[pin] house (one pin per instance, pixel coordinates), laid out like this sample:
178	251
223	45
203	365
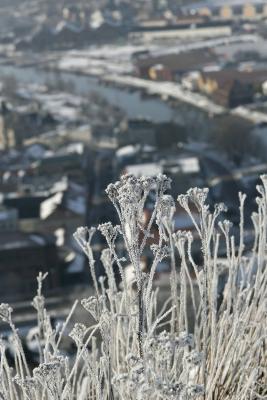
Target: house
23	122
63	164
61	206
228	9
171	67
68	34
231	88
178	31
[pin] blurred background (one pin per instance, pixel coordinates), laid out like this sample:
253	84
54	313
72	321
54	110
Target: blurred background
92	89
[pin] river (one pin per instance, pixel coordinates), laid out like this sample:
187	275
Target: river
133	103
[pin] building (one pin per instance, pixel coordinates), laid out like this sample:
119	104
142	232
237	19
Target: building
21	123
184	31
228	9
231	88
145	132
171	67
22	257
57	210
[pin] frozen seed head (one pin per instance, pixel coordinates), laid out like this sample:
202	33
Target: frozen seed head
148	183
132	360
194	391
225	226
83	236
137	373
91	305
170	390
180	238
160	252
5	312
150	344
129	178
109	231
112	192
105	322
166	208
28	384
163	337
185	339
144	390
220	207
164	183
130	194
194	358
77	334
119	378
46	371
198	196
183	200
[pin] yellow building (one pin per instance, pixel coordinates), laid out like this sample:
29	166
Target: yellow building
226	12
245	9
205	12
249	11
207	85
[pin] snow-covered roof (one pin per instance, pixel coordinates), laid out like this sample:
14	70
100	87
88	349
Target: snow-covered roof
189	164
220	3
148	169
127	151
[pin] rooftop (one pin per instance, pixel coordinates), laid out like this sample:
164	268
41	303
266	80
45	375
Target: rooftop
221	3
183	61
228	75
15	240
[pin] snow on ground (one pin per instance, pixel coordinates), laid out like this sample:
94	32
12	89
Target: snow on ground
88	65
118	59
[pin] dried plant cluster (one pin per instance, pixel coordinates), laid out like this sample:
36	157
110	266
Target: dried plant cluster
146	352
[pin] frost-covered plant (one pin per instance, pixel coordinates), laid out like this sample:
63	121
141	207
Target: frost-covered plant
197	344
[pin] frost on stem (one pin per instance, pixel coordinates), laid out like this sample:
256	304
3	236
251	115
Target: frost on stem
91	305
78	333
5	312
134	351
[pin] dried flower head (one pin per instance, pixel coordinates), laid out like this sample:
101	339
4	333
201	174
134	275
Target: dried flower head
91	305
198	196
160	252
77	333
5	312
185	339
194	391
194	358
28	384
165	210
46	371
83	236
109	231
